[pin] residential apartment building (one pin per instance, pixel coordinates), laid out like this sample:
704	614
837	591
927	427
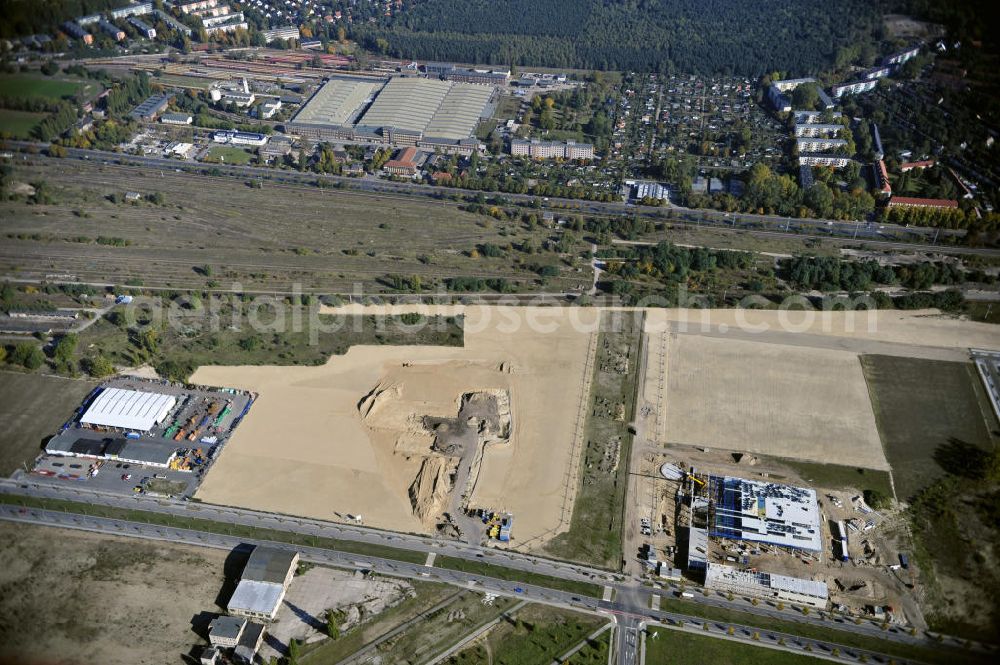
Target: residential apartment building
815	117
537	149
819	144
923	164
901	57
778	93
819	159
817	129
111	29
882	176
144	29
908	202
291	32
139	9
855	88
76	32
198	5
171	22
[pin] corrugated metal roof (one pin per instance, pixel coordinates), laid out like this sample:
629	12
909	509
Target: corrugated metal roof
256	597
128	409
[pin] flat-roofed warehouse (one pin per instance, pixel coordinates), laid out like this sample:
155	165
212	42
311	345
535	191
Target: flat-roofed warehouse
338	102
401	111
128	409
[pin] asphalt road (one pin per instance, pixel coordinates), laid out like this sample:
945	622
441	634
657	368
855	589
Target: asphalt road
628	610
311	527
630	605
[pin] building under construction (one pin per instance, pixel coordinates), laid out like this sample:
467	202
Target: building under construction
766	585
765	512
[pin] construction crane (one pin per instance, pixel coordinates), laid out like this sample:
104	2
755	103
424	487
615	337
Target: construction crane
695	479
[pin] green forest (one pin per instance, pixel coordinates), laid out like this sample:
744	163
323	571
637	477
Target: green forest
26	17
702	37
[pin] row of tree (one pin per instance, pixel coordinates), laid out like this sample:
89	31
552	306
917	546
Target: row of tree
827	273
673	263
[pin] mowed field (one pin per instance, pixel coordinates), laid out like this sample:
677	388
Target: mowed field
18	124
672	647
800	403
263	238
922	405
32	408
24	86
76	597
230	155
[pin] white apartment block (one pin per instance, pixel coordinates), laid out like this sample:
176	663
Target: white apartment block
819	144
817	129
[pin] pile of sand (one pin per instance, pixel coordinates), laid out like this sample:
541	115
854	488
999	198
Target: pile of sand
432	487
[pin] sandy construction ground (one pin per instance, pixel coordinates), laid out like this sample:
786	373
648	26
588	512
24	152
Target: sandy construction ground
919	328
922	328
76	597
782	383
305	448
796	402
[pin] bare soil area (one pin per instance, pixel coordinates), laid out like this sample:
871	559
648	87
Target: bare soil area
76	597
793	402
313	446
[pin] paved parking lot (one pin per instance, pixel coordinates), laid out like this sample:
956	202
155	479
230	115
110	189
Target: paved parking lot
196	428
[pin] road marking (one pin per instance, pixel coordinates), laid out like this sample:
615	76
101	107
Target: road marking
430	559
607	594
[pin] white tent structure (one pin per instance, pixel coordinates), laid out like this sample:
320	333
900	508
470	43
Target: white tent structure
128	409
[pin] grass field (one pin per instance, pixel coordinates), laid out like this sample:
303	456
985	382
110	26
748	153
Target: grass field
194	341
672	647
24	87
324	240
428	595
511	575
922	406
196	82
835	476
538	636
595	532
32	408
18	124
441	629
433	630
230	155
846	637
594	653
